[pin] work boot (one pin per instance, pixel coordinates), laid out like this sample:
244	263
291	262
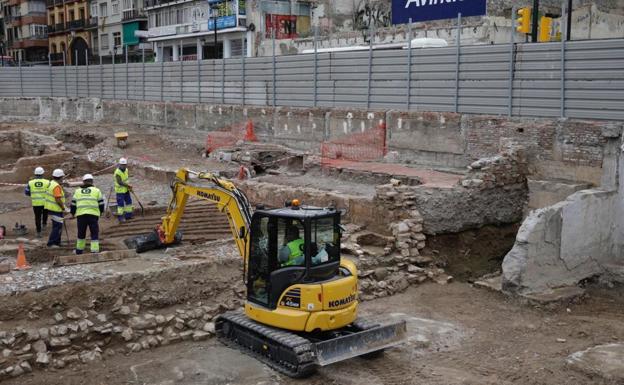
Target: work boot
39	234
121	219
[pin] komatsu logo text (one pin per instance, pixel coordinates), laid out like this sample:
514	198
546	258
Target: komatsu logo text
343	301
211	196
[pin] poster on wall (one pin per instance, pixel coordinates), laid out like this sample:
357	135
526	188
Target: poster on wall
285	26
425	10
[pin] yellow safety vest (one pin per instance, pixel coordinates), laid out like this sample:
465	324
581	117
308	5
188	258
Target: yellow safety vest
87	201
296	251
124	178
38	188
50	203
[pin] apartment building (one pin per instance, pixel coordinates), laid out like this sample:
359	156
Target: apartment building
25	30
68	36
116	24
185	29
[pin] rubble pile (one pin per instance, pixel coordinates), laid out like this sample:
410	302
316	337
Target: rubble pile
84	336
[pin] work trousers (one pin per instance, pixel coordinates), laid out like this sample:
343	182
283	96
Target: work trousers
124	205
91	222
41	217
57	228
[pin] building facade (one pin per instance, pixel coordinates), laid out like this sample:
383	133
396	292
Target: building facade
185	29
68	36
25	30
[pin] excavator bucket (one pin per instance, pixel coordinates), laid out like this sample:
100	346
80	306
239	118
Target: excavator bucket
360	343
150	241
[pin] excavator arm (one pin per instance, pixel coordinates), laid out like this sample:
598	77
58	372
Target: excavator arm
224	194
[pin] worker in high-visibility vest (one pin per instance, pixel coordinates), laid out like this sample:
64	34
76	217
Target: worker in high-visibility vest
291	254
87	205
37	189
122	191
55	205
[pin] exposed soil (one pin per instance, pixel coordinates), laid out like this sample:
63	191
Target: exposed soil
471	254
478	337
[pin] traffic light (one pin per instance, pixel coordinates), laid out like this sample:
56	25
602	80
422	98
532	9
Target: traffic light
545	31
524	20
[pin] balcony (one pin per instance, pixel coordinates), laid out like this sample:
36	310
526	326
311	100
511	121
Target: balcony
31	41
52	3
91	23
10	19
59	27
133	14
51	28
76	24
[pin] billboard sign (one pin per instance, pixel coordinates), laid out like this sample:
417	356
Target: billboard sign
425	10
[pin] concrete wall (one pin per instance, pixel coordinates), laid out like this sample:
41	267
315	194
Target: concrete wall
556	149
578	238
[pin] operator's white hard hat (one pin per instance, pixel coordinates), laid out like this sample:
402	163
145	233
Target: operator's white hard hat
123	161
58	173
39	171
87	177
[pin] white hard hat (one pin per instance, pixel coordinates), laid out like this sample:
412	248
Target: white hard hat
123	161
87	177
58	173
39	171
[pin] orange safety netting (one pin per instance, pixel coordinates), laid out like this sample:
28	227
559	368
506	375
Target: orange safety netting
228	136
362	146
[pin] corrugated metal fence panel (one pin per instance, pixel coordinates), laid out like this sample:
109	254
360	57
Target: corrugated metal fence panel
594	80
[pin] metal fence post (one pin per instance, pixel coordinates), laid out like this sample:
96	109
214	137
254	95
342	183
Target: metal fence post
19	66
243	71
51	78
76	71
114	86
162	72
457	62
222	79
101	78
181	71
315	66
409	64
512	46
198	75
370	67
274	67
127	76
143	72
564	37
65	73
87	64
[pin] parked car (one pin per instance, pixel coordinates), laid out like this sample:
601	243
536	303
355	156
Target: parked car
7	61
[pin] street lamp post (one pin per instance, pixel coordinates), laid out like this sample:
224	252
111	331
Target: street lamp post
214	18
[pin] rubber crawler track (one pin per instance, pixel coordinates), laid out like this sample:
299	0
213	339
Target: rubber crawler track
283	351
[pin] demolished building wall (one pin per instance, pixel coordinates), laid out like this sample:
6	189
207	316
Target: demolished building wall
579	238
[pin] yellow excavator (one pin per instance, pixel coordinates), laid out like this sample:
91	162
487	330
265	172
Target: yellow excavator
301	307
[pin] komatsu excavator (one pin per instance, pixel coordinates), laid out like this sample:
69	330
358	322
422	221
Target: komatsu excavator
301	307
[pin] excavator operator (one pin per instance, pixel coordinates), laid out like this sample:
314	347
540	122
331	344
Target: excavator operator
291	254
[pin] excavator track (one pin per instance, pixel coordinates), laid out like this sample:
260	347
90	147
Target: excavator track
286	352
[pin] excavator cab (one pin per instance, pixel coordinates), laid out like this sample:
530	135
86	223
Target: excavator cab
289	246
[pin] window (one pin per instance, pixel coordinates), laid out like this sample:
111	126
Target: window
70	15
95	43
325	241
127	5
53	48
82	13
94	10
117	39
103	10
115	8
104	40
51	19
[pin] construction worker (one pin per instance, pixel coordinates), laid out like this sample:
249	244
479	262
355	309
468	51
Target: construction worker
87	205
55	205
36	189
291	254
122	191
